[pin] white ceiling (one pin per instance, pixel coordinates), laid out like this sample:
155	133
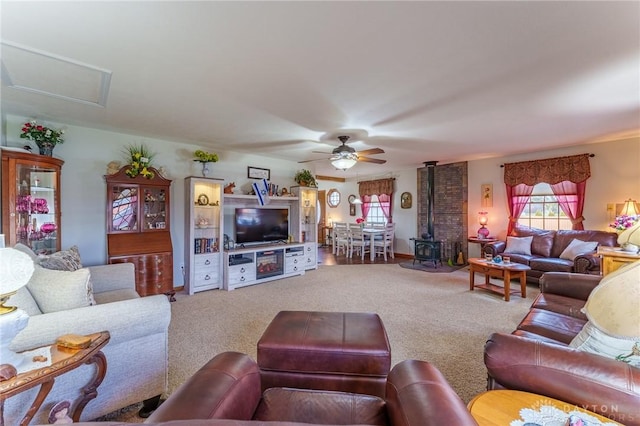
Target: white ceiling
443	81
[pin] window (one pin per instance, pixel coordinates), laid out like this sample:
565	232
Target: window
543	210
333	198
375	211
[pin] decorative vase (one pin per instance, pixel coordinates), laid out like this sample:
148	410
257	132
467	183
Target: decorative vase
46	148
205	168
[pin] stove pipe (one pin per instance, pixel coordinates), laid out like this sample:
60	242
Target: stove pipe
430	193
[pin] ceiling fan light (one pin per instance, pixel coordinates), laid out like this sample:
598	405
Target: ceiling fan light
343	163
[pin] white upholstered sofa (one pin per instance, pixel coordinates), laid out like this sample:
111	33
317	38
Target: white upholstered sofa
137	353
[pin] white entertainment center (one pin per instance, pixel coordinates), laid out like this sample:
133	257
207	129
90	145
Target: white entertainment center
262	263
246	264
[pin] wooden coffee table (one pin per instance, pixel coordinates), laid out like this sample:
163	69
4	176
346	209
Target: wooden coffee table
62	361
498	270
501	407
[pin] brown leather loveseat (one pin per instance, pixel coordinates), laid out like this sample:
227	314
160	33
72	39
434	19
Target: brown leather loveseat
546	248
535	357
228	387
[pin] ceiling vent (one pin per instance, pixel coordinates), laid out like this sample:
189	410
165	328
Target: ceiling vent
31	70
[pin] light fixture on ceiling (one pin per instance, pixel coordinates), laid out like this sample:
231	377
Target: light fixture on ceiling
344	161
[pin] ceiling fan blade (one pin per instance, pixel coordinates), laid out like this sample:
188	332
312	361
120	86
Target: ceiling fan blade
371	151
308	161
321	152
371	160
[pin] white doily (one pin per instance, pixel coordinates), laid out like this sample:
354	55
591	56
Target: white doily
547	415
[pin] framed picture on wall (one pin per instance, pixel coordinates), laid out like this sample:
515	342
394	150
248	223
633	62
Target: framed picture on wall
405	200
258	173
486	192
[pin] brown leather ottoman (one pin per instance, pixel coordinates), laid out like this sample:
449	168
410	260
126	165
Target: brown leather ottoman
339	351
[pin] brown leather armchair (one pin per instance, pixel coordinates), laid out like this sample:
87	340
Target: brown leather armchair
536	357
228	387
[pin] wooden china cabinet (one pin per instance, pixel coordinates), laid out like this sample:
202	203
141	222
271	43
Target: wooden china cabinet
31	200
138	229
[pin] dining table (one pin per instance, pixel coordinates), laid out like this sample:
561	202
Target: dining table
372	232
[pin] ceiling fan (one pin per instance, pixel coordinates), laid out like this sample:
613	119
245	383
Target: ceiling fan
345	157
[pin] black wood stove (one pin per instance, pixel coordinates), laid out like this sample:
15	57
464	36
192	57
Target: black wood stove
426	250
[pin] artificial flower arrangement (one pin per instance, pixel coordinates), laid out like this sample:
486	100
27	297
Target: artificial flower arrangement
360	220
139	159
205	157
624	222
40	134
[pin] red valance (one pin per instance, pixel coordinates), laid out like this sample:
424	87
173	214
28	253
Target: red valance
574	168
376	187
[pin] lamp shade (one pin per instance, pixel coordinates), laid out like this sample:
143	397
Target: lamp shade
483	219
16	269
613	305
630	208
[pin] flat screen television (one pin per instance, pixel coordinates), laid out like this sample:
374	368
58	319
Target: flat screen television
255	225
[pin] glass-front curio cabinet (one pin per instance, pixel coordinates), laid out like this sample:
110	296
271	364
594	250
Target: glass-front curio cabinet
203	234
31	201
138	229
307	229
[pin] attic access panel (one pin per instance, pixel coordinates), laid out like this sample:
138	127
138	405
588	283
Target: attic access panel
31	70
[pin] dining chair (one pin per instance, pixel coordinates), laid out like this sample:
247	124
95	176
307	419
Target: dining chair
358	241
385	244
340	238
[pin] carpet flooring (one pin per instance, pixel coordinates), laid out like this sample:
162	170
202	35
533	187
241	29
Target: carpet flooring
429	267
432	317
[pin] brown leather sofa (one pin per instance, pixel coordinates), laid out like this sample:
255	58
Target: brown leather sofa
546	248
228	388
535	357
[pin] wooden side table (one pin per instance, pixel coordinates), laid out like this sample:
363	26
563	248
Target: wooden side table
501	407
482	242
498	270
62	361
614	257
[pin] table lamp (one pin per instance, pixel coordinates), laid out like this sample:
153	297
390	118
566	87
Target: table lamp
629	239
16	269
483	232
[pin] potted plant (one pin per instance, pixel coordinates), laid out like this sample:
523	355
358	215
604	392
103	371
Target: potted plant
305	178
139	158
45	137
205	158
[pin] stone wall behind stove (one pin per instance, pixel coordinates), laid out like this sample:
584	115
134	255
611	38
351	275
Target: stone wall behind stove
450	215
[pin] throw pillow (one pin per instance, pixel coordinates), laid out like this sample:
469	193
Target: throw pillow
24	300
25	249
613	305
593	340
577	247
613	329
56	291
64	260
519	245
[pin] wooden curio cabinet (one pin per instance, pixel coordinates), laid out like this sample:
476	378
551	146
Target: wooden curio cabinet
31	201
138	229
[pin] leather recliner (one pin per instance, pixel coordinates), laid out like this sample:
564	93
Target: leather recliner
536	357
228	387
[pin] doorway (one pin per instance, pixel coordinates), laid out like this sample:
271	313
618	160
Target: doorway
322	209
